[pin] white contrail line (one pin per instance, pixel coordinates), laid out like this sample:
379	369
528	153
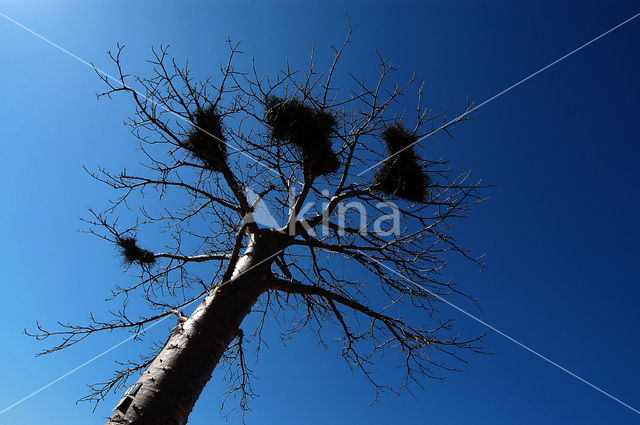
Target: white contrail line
25	398
498	331
457	119
110	77
44	387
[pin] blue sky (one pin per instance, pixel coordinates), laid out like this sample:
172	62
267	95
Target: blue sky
559	231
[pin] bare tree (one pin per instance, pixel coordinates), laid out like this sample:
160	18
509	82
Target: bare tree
217	149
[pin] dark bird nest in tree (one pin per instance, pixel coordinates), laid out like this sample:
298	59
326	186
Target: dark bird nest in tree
402	175
206	141
132	253
307	129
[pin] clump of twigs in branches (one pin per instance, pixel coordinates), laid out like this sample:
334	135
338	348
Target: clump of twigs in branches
308	130
206	140
132	253
402	175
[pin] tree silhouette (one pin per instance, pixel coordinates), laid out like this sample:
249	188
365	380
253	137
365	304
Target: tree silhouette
299	147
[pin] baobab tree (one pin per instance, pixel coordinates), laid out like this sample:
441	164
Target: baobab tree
363	236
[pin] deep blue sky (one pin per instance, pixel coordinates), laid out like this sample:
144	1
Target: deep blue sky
560	231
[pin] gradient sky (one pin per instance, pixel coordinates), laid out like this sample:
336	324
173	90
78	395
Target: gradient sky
560	231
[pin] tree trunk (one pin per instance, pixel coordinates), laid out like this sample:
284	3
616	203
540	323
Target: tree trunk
170	386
